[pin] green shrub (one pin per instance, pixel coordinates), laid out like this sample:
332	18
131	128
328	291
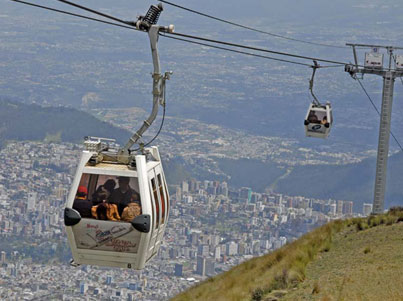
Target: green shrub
361	226
397	210
390	220
382	220
280	281
257	294
373	221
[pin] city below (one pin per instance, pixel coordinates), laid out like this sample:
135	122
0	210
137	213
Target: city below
212	227
243	178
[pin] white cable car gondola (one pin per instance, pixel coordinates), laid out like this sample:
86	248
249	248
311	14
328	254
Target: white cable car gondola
118	205
319	118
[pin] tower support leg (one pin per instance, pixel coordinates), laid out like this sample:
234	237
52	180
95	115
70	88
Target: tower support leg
383	144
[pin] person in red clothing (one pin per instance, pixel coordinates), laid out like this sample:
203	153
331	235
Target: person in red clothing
81	202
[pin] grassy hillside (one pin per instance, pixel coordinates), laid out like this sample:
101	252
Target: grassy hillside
356	259
365	266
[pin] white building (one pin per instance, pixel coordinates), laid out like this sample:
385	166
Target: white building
367	209
31	200
232	248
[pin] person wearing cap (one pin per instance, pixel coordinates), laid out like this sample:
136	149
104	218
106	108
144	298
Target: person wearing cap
81	202
122	196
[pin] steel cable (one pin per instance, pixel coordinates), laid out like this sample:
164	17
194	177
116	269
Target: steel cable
376	109
250	28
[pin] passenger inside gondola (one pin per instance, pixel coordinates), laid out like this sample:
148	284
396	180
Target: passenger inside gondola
123	195
324	120
81	203
105	211
312	118
131	210
107	202
106	189
100	211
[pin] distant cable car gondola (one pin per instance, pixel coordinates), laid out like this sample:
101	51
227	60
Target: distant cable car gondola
118	205
319	117
318	120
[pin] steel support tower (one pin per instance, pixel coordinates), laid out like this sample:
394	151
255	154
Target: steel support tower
389	75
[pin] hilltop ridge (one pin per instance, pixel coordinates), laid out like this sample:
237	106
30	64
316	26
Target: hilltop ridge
19	121
348	181
354	259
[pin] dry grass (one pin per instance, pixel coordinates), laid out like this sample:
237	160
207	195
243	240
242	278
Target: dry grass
258	277
363	265
297	265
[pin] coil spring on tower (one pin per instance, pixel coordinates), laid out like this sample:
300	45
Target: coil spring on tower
153	14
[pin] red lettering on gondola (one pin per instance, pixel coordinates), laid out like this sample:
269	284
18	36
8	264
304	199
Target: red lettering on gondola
121	245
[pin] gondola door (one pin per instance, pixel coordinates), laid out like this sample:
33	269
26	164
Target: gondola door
160	208
156	212
160	184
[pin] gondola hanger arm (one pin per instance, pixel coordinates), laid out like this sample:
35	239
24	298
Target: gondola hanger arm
311	82
148	23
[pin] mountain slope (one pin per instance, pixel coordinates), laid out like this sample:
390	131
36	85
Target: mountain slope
20	121
352	182
341	260
367	265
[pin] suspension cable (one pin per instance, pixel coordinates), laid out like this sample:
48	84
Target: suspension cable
176	38
205	39
255	48
73	14
130	23
97	12
250	28
376	109
238	51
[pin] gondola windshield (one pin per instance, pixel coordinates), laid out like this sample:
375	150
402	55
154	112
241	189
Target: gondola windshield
107	198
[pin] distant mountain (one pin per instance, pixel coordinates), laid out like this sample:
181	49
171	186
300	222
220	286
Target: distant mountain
354	182
52	59
350	182
250	173
19	121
